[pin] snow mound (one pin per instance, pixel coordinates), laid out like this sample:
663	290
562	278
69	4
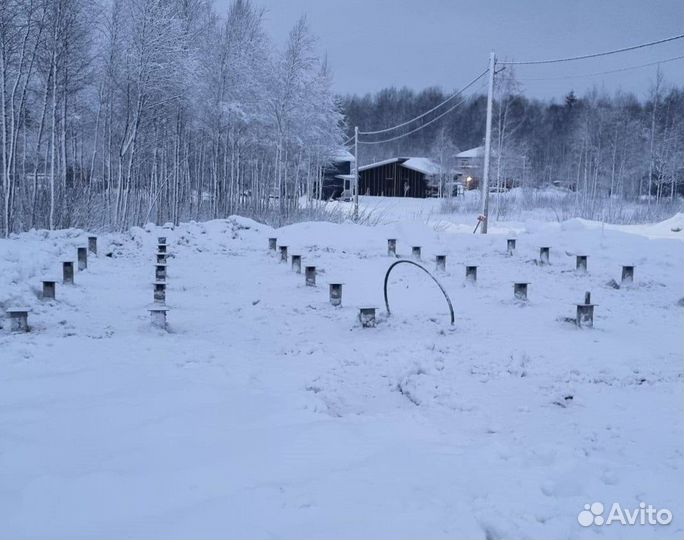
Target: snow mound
265	411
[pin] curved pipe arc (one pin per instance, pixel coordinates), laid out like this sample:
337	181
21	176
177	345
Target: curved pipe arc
446	296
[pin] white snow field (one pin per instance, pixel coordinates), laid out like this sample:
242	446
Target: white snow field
266	412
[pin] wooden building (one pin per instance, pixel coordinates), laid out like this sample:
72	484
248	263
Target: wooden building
470	164
399	177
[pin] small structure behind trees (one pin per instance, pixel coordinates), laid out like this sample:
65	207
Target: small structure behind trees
336	175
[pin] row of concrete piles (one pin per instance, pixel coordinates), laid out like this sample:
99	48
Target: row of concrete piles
585	310
19	315
366	314
159	309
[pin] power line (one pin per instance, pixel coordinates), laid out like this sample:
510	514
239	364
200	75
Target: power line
426	124
594	55
600	72
452	96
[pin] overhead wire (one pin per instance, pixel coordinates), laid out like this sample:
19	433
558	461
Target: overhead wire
600	72
426	124
506	63
593	55
452	96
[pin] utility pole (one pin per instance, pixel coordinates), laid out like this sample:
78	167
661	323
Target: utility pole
356	173
488	143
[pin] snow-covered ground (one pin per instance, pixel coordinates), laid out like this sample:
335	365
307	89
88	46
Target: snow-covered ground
513	207
266	412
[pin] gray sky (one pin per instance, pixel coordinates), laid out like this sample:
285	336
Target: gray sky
372	44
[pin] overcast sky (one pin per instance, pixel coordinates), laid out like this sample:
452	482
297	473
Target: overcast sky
372	44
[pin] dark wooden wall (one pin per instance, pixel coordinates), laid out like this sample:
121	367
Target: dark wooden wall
388	180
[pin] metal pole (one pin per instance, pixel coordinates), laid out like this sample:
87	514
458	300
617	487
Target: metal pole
488	143
356	173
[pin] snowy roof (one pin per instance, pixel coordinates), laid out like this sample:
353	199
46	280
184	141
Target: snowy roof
379	163
421	164
342	155
476	152
473	153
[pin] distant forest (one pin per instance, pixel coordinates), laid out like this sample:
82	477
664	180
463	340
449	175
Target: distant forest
616	144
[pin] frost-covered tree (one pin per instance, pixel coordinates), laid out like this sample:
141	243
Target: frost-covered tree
124	111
